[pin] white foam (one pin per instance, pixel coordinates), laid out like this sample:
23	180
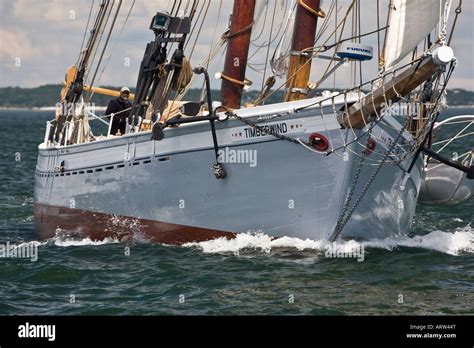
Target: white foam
452	243
256	241
65	242
70	241
264	243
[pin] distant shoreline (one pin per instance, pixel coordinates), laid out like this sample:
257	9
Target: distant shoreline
102	108
461	106
43	108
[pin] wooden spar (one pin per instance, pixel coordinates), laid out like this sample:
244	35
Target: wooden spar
306	21
238	43
105	91
359	114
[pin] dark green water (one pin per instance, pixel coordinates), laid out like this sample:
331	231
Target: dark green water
433	270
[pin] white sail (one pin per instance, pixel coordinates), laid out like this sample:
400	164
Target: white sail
410	22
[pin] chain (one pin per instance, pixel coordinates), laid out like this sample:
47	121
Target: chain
352	188
344	217
346	213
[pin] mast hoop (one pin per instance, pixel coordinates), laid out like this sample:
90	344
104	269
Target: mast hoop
240	32
244	83
303	53
320	13
299	90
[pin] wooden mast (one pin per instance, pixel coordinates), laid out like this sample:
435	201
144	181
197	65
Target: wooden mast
306	21
238	43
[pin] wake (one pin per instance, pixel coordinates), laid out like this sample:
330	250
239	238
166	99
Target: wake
452	243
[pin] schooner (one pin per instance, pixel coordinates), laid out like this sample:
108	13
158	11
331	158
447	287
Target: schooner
346	163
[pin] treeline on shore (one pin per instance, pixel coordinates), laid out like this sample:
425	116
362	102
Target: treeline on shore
47	95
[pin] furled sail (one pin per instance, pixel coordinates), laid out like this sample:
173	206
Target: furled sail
410	22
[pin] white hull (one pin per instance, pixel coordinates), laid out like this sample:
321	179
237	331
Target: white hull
167	188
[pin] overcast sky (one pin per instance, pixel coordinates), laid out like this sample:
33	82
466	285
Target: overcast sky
39	39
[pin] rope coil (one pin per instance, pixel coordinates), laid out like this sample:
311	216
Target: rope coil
185	76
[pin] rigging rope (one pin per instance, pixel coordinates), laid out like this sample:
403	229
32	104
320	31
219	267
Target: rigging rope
268	47
458	12
391	7
278	65
378	30
85	33
107	40
265	90
200	28
380	118
109	10
443	26
359	31
311	49
263	24
115	45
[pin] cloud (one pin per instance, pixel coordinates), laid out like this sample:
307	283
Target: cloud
47	36
16	44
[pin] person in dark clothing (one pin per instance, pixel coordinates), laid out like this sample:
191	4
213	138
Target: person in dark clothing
117	107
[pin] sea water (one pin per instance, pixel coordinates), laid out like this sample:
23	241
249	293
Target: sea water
429	271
